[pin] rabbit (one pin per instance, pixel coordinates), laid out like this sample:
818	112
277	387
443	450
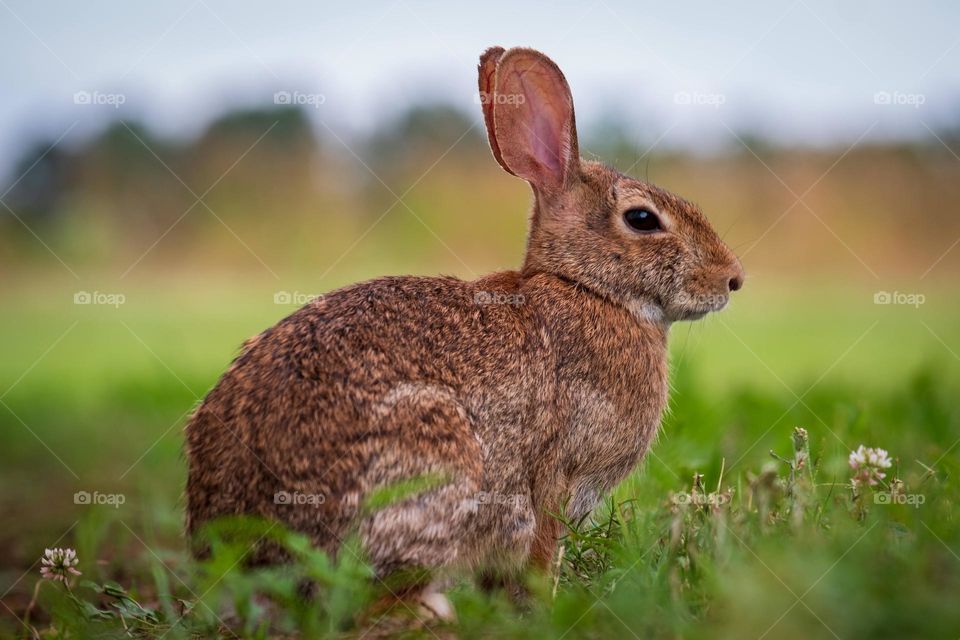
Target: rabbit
523	393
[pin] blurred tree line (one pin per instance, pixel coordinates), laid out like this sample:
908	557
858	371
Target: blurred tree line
293	189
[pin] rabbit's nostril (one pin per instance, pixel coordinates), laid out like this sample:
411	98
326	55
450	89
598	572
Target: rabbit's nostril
735	283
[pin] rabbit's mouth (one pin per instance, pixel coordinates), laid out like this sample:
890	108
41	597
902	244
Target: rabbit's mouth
684	307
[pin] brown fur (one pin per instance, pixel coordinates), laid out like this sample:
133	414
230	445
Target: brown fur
528	391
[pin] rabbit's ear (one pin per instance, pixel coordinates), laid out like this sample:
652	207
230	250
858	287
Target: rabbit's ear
534	124
487	72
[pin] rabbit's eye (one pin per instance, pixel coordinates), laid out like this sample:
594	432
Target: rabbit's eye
642	220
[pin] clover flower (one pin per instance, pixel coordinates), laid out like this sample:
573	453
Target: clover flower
58	563
867	464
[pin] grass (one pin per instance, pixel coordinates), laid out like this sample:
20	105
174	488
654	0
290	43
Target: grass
774	553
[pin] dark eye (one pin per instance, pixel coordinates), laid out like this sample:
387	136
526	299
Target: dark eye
642	220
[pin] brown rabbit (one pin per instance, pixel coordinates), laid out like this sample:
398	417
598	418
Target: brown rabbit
528	392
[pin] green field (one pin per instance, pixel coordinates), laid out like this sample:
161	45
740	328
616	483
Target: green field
94	399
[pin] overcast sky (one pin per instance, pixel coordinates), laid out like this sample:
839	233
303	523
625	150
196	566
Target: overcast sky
684	73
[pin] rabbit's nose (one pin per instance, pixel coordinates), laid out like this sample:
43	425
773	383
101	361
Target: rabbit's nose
733	277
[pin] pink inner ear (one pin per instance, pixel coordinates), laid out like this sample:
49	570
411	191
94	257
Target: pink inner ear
548	144
544	133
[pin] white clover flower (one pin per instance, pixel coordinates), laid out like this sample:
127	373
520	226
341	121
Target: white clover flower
866	463
879	458
57	563
858	458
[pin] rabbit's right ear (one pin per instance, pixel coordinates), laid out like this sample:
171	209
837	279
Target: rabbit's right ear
530	119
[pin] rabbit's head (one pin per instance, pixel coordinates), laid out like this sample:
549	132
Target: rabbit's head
622	238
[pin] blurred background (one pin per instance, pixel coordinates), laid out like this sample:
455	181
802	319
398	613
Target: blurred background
178	176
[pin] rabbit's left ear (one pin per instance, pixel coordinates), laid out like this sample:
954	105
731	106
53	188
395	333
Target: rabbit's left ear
534	130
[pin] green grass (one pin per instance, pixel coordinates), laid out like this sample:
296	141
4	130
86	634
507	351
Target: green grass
103	410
